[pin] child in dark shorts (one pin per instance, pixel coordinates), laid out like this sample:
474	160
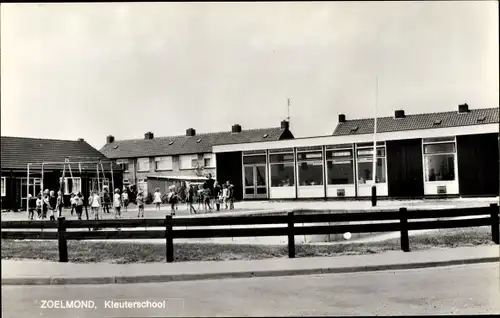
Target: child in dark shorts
140	203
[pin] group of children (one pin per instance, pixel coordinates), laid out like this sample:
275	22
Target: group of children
216	195
46	203
212	193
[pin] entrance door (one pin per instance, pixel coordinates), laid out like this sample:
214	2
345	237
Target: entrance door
33	188
255	182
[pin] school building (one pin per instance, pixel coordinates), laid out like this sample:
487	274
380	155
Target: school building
445	154
17	181
153	162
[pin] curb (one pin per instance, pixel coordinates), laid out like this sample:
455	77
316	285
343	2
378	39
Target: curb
226	275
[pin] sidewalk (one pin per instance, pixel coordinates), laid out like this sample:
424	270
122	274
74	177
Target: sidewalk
33	272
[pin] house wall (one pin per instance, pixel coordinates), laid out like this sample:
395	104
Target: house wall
405	166
477	158
133	175
229	168
478	164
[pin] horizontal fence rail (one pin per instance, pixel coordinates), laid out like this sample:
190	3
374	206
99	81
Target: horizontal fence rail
298	222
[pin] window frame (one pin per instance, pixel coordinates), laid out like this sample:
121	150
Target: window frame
364	158
313	161
211	157
284	163
192	157
340	160
163	159
437	141
124	164
4	187
146	159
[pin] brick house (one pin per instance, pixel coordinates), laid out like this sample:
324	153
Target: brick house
161	161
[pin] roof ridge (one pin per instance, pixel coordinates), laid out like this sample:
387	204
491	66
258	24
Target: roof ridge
46	139
200	135
420	114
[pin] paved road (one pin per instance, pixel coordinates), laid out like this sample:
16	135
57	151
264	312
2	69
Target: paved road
470	289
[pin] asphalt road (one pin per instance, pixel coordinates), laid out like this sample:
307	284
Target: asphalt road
468	289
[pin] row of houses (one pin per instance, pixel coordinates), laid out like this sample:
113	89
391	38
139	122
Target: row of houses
445	154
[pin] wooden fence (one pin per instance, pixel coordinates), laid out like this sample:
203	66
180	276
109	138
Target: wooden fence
390	221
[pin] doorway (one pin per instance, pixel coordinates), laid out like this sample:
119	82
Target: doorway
255	182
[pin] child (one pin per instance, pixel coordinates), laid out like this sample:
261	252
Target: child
206	196
59	203
31	206
140	203
230	195
106	200
51	204
45	203
200	198
117	203
224	196
190	198
172	199
157	199
39	205
78	199
95	204
72	200
125	200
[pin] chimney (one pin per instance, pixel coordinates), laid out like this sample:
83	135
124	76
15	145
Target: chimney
149	135
464	108
399	114
285	125
81	139
341	118
236	128
110	139
190	132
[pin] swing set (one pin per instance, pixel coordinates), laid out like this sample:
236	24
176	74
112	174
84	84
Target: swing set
98	162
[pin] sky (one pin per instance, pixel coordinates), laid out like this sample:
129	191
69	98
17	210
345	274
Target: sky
76	70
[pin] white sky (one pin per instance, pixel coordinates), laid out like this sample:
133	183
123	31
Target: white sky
89	70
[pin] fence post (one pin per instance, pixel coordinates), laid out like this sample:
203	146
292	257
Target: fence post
405	241
61	237
170	239
291	235
495	227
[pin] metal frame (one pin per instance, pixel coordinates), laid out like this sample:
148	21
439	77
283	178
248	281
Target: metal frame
97	161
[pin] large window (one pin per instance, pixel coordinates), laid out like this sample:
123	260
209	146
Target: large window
439	159
163	163
365	163
123	164
143	164
340	166
188	161
71	185
3	186
282	169
310	167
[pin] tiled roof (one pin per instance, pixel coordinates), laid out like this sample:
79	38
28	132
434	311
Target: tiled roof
17	152
179	145
419	121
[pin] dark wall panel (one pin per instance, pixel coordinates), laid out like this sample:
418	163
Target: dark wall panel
478	164
405	172
229	168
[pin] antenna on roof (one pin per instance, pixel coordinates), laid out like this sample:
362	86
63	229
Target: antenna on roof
288	117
